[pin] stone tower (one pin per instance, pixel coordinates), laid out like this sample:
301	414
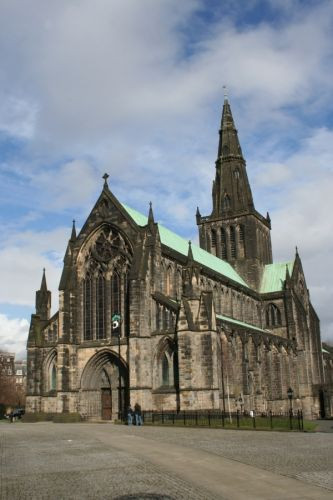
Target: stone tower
235	231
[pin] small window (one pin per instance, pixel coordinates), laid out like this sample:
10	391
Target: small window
226	204
232	242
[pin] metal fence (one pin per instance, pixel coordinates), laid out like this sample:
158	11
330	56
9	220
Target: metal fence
219	419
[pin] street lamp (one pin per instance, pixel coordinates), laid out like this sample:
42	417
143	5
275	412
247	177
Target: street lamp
290	393
116	321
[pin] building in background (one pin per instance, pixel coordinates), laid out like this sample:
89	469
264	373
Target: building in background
146	317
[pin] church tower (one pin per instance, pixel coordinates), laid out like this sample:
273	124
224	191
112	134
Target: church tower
235	231
43	300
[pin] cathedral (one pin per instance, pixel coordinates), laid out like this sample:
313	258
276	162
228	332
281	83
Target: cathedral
147	317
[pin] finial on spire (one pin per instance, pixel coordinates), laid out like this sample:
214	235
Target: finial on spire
43	286
225	92
150	214
190	253
73	235
296	249
105	177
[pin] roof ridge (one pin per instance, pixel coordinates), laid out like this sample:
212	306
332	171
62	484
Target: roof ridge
200	255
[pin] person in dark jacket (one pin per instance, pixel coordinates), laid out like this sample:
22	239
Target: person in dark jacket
138	414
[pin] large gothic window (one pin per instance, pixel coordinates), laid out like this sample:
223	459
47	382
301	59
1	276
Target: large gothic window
103	266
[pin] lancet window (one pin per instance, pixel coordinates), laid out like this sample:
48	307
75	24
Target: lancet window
232	242
223	244
273	315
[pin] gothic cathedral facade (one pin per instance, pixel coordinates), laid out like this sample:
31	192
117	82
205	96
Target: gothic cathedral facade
146	317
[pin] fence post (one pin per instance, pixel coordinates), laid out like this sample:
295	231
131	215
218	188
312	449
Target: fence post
237	416
271	418
162	417
196	418
222	418
291	419
254	420
173	418
184	418
209	418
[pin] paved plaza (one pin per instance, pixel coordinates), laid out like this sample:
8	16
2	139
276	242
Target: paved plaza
97	461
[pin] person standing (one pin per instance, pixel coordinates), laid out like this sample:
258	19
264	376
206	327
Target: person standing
138	414
129	415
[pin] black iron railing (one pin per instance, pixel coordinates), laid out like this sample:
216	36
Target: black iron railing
292	420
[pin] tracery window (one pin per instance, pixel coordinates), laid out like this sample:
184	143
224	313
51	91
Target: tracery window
273	315
103	266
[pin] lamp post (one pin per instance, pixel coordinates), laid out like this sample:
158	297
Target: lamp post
290	393
116	322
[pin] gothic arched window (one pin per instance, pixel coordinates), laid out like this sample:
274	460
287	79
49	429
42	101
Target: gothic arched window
100	308
232	242
53	377
223	243
165	371
273	315
241	240
87	309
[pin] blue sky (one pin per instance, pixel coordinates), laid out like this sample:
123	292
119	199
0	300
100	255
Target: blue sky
134	88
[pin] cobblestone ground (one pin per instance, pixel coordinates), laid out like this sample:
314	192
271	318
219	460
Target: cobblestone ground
305	456
71	461
37	465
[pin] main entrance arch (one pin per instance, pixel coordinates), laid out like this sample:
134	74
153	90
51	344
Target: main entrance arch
104	386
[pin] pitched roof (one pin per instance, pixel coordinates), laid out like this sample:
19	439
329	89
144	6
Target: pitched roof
180	245
274	276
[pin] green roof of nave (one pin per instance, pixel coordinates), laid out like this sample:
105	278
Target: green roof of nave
241	323
180	245
274	276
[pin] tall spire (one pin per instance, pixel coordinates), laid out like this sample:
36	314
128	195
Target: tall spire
150	214
231	189
229	143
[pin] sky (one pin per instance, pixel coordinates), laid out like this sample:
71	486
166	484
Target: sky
134	88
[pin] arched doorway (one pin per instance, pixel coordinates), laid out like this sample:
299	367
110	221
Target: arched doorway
104	386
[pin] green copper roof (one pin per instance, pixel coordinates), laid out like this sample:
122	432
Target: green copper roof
274	276
172	240
240	323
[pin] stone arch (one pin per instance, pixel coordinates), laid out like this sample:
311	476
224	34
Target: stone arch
50	371
104	386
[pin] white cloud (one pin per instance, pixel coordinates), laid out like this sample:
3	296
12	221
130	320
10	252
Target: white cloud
14	335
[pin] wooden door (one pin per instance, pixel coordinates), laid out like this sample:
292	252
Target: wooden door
106	404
